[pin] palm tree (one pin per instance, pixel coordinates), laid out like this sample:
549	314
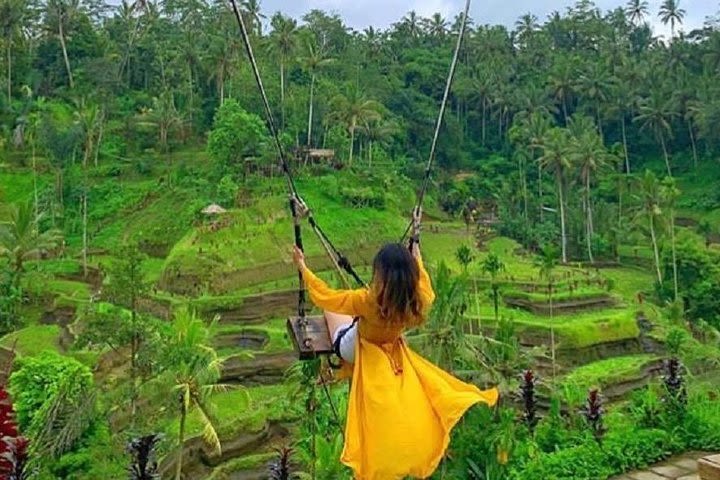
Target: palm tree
283	41
655	113
525	26
378	132
195	368
437	26
21	239
669	194
547	262
87	117
555	158
411	23
62	12
354	109
252	11
589	155
671	12
493	266
313	61
12	17
649	196
636	10
596	85
562	83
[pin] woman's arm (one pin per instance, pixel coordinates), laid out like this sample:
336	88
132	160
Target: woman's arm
427	295
346	302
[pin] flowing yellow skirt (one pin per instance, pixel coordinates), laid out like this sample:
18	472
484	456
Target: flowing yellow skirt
399	425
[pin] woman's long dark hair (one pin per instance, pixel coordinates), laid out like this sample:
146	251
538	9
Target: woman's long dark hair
395	284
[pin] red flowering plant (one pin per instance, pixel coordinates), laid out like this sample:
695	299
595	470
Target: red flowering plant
13	447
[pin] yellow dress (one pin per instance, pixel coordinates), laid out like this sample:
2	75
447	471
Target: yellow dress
401	407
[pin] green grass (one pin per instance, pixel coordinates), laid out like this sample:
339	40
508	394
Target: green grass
583	293
33	340
574	330
607	372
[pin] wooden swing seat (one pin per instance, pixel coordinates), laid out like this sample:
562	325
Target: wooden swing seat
310	334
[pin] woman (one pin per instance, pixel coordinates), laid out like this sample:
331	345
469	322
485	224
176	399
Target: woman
401	407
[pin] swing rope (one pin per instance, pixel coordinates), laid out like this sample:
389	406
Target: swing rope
439	122
339	260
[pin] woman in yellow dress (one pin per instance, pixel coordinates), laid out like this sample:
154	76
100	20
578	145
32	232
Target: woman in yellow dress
401	407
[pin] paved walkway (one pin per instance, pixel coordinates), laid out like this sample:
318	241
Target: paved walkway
683	467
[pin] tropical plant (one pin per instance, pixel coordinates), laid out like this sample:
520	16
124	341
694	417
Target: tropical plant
546	263
352	109
655	113
193	367
556	159
670	12
313	62
21	240
636	10
493	266
649	196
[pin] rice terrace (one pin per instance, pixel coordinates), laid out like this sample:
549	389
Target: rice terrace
245	240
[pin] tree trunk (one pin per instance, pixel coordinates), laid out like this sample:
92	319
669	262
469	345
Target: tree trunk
562	218
310	111
674	254
599	121
352	145
665	154
553	355
540	189
181	441
564	106
495	301
35	189
99	140
61	34
282	93
523	178
694	145
9	71
588	221
484	119
656	253
625	148
370	153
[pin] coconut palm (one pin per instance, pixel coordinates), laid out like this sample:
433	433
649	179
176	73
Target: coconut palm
649	196
21	238
525	26
670	12
546	263
493	266
596	84
437	26
669	195
378	132
283	42
555	158
194	368
12	18
636	10
562	83
313	61
589	155
61	13
655	113
252	11
353	109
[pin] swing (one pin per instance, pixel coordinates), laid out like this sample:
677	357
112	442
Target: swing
309	333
